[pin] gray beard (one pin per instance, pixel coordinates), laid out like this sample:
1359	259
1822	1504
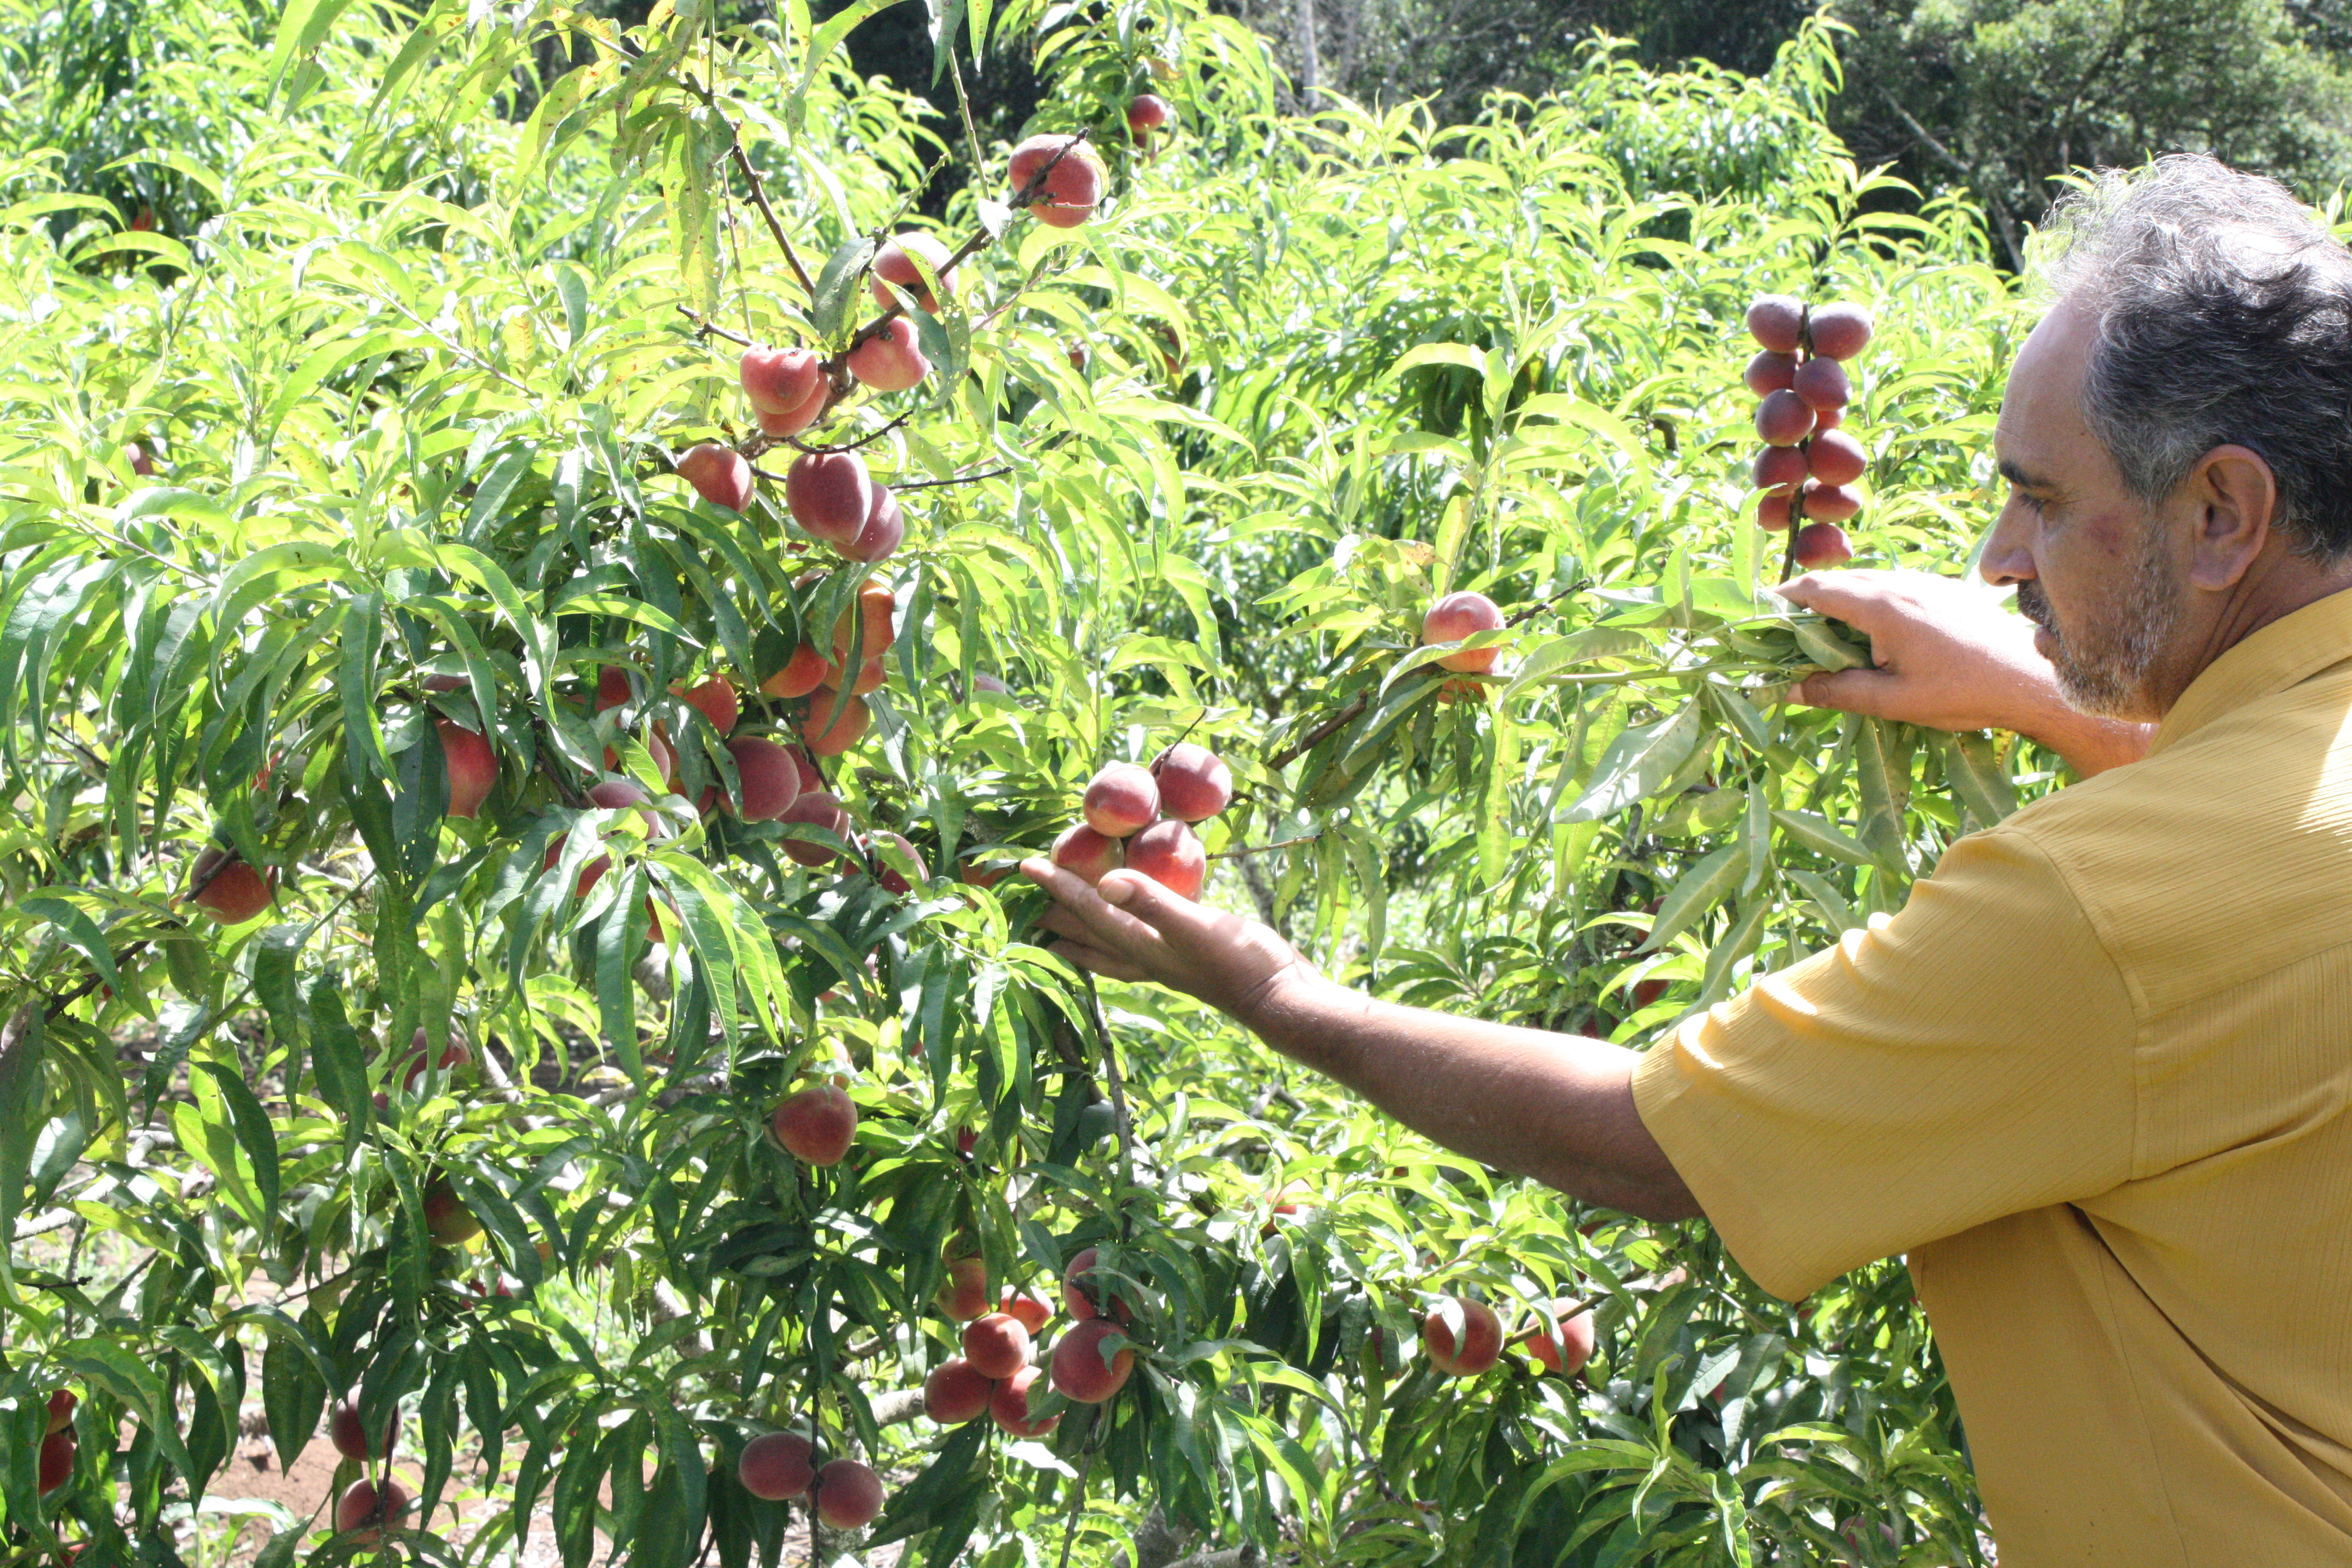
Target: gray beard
2105	672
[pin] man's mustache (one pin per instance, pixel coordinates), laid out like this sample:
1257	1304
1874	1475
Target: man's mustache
2035	606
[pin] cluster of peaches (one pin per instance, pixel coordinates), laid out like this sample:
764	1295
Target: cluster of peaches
1462	1337
1141	818
995	1373
1809	463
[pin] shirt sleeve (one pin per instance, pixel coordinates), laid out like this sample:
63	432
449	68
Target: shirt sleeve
1968	1058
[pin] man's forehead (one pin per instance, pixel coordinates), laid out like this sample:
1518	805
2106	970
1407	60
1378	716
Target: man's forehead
2042	407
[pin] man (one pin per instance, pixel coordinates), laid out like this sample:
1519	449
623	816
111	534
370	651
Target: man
2093	1078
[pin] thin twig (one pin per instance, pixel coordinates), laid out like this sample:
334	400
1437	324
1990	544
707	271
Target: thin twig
1267	848
1118	1104
951	480
1315	736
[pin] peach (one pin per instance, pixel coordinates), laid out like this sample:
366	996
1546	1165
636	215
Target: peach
982	681
817	1125
362	1514
776	1466
1170	854
1566	1355
61	1409
1085	854
963	1295
143	461
453	1056
835	723
1783	419
1195	784
471	765
996	1344
892	359
770	779
1466	1350
1458	616
55	1462
871	676
1821	544
233	892
1769	372
955	1394
719	475
1147	113
1777	321
1082	1371
885	529
1837	458
1839	330
1772	513
613	689
1079	1294
829	495
816	808
868	621
849	1495
1781	470
807	412
802	673
892	878
1009	1406
447	1220
1822	383
1120	799
1828	503
1030	1311
895	263
716	700
350	1441
778	381
1069	174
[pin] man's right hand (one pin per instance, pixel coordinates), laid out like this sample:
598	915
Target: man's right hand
1950	656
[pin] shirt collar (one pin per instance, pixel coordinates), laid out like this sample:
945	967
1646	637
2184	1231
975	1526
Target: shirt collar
2291	650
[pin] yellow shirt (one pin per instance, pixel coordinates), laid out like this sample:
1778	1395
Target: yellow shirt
2092	1079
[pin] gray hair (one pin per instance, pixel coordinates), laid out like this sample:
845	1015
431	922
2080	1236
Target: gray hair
2225	312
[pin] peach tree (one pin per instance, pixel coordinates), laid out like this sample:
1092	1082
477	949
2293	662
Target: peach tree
541	595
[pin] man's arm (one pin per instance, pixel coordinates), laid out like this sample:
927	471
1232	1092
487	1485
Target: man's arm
1948	657
1559	1108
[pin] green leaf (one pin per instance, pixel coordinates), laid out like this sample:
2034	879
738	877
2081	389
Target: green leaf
1640	760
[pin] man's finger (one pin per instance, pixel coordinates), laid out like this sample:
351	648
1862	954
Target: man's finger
1084	915
1169	914
1869	692
1858	598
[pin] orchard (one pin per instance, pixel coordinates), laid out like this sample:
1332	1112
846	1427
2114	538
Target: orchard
545	587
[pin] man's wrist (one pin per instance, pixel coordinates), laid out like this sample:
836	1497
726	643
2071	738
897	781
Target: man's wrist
1296	1012
2089	743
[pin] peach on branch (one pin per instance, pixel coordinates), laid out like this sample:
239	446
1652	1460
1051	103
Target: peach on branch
350	1440
447	1220
1081	1294
1783	419
719	474
1781	470
849	1495
893	879
895	263
1567	1353
1463	1337
1069	176
835	722
962	1296
955	1394
1009	1406
420	1058
1147	113
1769	372
892	359
817	1125
871	676
829	495
1030	1311
613	689
799	418
770	779
1822	383
1081	1370
55	1462
1836	457
143	461
1170	855
776	1466
982	681
996	1344
1121	798
1821	544
1777	321
362	1514
1458	616
779	381
802	673
815	808
716	700
1772	512
1839	330
867	623
472	767
1085	854
61	1409
1829	503
227	887
885	529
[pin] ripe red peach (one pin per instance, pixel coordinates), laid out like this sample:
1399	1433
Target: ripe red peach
1120	799
350	1440
817	1125
1828	503
885	529
895	263
1194	782
892	878
815	808
420	1057
1781	470
996	1344
1080	1371
1073	179
362	1515
1821	544
962	1296
1822	383
868	622
1566	1355
471	765
447	1220
719	474
770	779
613	690
776	1466
1769	372
61	1409
1783	419
836	722
1772	512
1839	330
55	1462
1085	854
802	673
1170	855
779	381
1080	1294
829	494
1777	321
849	1495
871	676
1836	457
1466	1350
1029	1311
716	700
955	1394
1147	113
1458	616
892	359
1009	1406
807	412
233	892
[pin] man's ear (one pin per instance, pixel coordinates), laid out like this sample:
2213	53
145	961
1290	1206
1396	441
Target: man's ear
2236	497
